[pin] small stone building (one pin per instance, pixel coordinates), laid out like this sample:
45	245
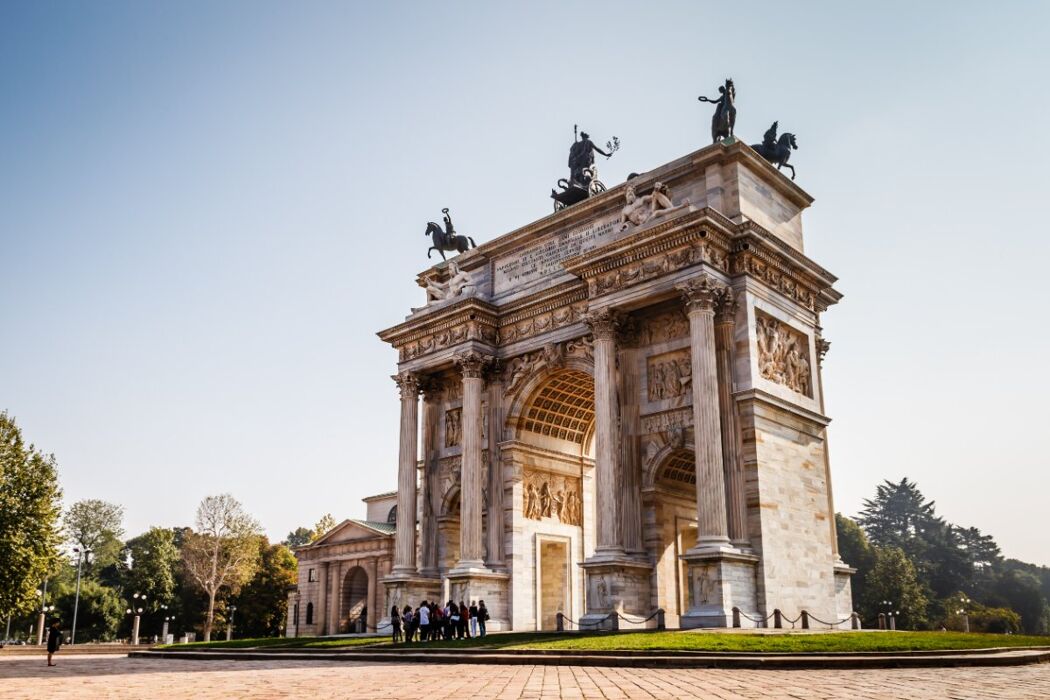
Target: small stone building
339	589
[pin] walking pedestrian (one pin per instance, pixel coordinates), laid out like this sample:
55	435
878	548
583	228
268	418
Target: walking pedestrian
54	641
483	616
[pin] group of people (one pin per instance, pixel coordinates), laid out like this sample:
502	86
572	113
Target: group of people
434	622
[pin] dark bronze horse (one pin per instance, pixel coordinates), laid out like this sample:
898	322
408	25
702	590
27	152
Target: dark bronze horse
778	153
447	239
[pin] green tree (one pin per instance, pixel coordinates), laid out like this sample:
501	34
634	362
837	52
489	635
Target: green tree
99	613
222	554
149	569
29	513
299	536
899	516
1020	590
96	526
326	523
262	604
893	579
855	550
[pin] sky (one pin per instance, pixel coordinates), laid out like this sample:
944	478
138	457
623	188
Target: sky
207	211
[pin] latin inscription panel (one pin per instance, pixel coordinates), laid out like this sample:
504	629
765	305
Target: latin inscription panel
544	258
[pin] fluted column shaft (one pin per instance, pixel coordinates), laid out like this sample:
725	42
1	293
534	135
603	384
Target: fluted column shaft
321	614
712	530
495	522
736	507
471	545
405	537
604	325
432	395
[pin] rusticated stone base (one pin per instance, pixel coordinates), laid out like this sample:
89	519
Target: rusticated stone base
402	590
489	586
718	582
618	589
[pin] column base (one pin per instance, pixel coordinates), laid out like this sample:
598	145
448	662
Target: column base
720	579
843	594
479	583
618	594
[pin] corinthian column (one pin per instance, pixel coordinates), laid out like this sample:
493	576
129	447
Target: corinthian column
471	546
701	295
736	508
604	326
433	392
405	542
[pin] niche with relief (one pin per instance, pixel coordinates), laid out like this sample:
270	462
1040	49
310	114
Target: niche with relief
783	354
669	376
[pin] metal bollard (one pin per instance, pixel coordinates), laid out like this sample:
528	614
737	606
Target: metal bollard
855	621
805	620
660	624
777	622
736	617
561	622
614	621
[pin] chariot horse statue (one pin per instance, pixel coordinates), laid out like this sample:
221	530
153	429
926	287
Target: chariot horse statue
777	150
724	118
447	239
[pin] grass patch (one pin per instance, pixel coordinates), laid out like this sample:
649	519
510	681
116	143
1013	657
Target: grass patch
798	642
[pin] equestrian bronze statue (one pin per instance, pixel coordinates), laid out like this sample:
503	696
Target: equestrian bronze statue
777	150
724	118
447	239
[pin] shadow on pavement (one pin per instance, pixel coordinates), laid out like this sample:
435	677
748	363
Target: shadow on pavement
81	666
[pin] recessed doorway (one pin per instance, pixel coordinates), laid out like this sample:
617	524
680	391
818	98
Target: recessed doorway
553	581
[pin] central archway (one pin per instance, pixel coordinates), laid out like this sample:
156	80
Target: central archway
354	597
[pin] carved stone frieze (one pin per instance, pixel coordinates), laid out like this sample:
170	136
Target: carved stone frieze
513	330
783	354
448	337
669	375
775	277
550	356
667	420
547	495
657	265
662	327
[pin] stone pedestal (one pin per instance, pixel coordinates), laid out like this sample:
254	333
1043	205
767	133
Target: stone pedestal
489	586
618	587
718	582
402	590
843	594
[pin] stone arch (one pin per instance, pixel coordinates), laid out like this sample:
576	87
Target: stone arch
557	403
353	599
673	466
450	503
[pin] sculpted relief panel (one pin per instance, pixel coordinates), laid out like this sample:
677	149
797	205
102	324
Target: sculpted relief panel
547	495
453	423
783	354
669	375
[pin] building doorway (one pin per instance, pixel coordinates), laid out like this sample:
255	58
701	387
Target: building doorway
553	580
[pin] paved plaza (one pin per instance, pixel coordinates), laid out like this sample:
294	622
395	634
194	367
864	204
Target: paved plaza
120	677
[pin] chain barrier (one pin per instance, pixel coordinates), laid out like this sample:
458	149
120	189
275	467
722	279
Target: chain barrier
831	625
636	622
583	625
756	620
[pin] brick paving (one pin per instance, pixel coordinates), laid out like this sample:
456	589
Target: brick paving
120	677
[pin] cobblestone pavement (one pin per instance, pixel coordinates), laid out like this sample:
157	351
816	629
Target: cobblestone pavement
93	677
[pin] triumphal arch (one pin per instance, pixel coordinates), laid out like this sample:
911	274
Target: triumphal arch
618	409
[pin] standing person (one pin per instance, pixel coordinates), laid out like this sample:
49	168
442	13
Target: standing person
395	624
411	623
483	616
54	641
473	618
464	615
424	622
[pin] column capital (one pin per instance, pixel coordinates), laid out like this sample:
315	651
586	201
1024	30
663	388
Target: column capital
725	310
605	324
822	349
473	364
408	383
701	293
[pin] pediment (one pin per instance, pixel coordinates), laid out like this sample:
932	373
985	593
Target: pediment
351	530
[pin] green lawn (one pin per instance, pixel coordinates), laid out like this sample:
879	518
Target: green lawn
670	640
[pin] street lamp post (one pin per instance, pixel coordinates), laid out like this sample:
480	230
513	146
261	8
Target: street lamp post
890	614
139	599
164	630
965	613
81	554
229	627
42	620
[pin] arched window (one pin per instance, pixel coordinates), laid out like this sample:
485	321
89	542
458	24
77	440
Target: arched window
391	517
309	613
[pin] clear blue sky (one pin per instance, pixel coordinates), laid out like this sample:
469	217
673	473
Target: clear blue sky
208	209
